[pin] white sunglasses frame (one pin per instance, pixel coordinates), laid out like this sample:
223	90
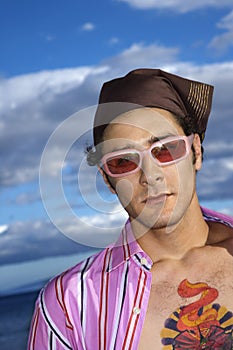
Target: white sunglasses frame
188	144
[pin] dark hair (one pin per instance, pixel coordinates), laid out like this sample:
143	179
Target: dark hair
189	126
187	123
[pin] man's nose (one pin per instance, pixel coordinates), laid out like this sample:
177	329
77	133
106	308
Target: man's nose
151	172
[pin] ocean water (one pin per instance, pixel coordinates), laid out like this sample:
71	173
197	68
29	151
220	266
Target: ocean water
15	317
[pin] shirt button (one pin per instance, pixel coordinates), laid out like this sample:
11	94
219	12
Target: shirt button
136	310
143	261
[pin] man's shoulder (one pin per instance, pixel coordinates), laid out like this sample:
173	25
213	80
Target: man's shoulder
220	229
70	278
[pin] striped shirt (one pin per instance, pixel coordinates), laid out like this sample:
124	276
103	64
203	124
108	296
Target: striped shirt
101	303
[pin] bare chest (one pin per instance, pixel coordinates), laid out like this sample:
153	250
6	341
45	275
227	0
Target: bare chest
190	304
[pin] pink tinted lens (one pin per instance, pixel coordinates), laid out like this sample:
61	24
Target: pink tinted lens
169	151
124	163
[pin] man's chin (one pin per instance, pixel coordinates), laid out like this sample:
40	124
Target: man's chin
161	222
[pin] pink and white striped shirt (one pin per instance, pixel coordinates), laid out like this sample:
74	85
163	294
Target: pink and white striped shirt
101	303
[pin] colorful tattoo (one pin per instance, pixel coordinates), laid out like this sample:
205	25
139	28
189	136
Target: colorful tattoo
199	325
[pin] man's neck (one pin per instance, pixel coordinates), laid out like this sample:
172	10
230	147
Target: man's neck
175	241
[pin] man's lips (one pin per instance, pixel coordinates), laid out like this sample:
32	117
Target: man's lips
155	199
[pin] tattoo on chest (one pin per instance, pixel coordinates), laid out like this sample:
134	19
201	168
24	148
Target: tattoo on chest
199	325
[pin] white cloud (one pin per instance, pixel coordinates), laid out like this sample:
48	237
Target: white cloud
227	22
50	37
40	101
88	27
177	5
3	229
113	41
33	240
26	198
19	90
227	211
215	178
141	55
222	42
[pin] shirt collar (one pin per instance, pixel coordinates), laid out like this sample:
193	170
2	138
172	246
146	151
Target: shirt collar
211	215
125	247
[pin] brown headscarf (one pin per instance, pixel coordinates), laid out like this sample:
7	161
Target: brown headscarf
153	88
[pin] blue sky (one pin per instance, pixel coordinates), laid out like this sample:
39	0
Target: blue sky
55	55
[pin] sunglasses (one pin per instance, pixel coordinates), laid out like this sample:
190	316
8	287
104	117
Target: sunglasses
164	152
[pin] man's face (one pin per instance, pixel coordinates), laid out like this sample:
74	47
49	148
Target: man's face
156	196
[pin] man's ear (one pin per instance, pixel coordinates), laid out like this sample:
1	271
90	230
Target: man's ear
106	180
198	152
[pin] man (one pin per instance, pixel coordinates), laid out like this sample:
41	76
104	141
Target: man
167	282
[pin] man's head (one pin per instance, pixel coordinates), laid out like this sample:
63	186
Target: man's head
135	112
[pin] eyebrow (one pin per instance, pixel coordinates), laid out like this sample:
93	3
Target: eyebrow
152	140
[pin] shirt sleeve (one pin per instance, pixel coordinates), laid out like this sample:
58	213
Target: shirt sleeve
51	326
